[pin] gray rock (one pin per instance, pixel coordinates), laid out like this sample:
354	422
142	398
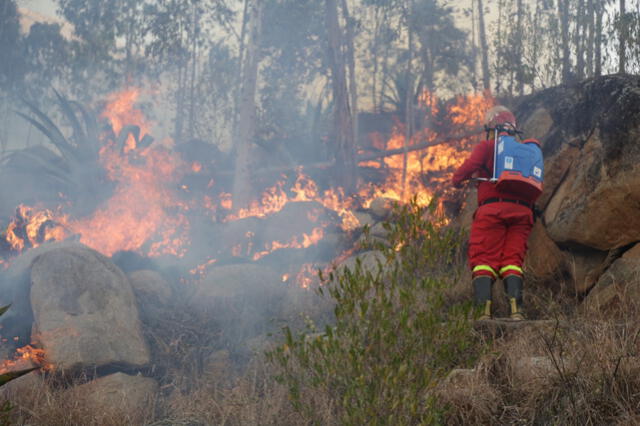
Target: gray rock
620	284
84	310
29	384
15	287
585	267
535	368
364	218
545	261
539	123
127	399
150	288
368	260
381	208
379	231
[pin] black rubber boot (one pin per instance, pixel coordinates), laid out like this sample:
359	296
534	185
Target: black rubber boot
513	287
482	295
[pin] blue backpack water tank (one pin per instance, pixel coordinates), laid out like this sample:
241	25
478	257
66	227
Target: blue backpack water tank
519	166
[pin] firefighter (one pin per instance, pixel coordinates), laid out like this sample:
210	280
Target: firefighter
501	224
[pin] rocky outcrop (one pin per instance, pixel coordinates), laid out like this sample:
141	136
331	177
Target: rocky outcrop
84	310
619	285
589	133
544	261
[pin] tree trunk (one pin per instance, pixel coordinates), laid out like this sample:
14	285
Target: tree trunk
579	39
376	46
409	100
194	65
178	125
385	66
535	48
238	86
499	44
520	48
351	61
343	136
474	47
486	81
242	188
591	36
622	28
563	8
598	42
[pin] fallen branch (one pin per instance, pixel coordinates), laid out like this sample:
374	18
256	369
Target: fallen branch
417	147
364	157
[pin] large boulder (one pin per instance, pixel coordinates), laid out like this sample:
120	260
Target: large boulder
15	287
85	311
585	268
619	285
117	399
592	166
545	261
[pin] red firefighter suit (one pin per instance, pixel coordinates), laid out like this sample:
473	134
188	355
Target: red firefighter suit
501	224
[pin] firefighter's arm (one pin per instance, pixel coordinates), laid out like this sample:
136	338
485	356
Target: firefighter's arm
473	164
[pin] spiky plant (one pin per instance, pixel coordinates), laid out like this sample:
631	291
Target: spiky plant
71	165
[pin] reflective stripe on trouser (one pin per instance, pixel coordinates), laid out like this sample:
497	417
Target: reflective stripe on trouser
499	234
511	270
484	270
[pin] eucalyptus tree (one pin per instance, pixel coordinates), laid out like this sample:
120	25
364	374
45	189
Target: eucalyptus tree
181	49
12	64
95	68
293	93
443	46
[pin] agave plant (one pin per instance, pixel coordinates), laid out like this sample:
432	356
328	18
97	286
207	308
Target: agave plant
71	165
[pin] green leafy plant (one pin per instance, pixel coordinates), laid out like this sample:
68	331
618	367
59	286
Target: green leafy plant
395	335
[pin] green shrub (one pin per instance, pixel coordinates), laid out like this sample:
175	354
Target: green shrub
394	336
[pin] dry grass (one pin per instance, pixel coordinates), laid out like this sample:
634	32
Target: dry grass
253	399
584	368
581	369
44	401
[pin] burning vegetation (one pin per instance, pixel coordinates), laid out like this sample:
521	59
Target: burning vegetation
148	210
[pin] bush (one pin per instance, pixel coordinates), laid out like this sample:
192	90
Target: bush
394	336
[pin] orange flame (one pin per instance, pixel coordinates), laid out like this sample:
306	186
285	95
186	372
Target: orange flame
430	169
307	241
145	214
26	357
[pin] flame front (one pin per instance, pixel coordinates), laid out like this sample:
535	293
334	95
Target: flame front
145	214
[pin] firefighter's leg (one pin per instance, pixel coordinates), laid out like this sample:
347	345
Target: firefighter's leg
514	250
482	295
513	287
485	244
